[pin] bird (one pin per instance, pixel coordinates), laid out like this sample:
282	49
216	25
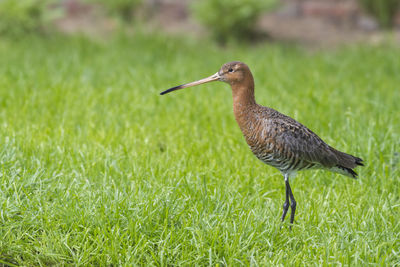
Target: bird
274	138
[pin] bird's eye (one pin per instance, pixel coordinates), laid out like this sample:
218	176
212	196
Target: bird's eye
230	70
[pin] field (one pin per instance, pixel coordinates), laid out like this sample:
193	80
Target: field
96	168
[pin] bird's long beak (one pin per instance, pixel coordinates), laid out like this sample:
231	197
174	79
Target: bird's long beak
212	78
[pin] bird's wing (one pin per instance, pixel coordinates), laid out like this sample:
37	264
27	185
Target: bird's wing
291	138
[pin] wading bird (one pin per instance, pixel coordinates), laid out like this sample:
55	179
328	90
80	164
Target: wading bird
275	138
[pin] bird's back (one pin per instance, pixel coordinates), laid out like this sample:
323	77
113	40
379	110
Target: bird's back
286	144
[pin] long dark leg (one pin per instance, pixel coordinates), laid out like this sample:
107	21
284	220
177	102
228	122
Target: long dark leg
286	204
292	201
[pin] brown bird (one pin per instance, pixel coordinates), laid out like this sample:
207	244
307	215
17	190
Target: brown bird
275	138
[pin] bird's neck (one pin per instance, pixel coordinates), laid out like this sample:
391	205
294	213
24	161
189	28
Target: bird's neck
243	92
244	102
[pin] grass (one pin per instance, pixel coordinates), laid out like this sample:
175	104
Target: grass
97	169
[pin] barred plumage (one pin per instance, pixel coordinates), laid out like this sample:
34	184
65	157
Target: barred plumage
274	138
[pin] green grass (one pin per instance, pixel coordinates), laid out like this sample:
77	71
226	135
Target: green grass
96	168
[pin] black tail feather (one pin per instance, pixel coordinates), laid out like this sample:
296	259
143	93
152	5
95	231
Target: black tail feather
350	171
359	161
346	163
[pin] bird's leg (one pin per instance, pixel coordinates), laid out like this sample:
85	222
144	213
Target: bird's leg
292	201
286	204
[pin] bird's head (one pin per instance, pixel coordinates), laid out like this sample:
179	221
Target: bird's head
232	72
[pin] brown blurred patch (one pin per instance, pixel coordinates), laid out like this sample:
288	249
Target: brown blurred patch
314	23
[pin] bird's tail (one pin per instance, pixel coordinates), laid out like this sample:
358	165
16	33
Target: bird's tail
346	164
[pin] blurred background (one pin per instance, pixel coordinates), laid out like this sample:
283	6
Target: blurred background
308	22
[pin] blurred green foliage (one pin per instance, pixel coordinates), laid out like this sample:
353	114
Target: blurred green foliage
230	19
19	17
383	10
122	9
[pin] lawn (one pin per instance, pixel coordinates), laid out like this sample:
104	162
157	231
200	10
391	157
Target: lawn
96	168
